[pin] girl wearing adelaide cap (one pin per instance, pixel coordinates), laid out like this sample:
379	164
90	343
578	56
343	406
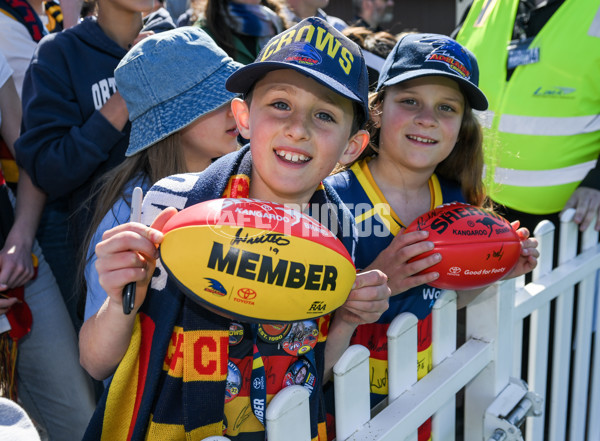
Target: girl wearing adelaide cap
174	87
426	149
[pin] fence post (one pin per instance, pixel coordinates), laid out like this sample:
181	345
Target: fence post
402	354
489	318
288	415
594	423
351	391
582	346
402	357
443	345
563	322
539	328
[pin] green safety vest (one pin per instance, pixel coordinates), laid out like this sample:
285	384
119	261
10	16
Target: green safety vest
542	129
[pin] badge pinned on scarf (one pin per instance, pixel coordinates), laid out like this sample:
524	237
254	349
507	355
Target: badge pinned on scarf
234	382
273	333
302	373
301	338
236	333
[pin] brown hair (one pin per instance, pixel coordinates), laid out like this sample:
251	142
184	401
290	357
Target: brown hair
160	160
378	43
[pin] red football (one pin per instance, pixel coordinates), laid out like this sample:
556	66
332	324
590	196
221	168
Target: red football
478	247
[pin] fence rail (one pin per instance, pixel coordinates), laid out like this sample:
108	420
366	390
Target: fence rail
553	315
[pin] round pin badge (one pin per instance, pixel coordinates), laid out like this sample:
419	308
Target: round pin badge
236	333
302	373
273	333
234	382
301	338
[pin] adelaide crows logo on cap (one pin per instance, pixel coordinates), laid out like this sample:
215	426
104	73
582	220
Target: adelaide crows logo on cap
450	53
303	53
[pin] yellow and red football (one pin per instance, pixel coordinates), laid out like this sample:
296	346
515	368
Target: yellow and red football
478	247
257	261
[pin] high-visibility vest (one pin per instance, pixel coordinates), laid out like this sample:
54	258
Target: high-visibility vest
542	129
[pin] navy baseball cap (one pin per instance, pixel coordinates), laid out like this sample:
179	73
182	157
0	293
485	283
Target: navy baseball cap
421	55
316	49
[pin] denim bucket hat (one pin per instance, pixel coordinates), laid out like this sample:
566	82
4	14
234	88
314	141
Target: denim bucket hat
316	49
420	55
170	79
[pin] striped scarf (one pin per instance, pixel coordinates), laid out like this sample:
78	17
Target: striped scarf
160	390
21	11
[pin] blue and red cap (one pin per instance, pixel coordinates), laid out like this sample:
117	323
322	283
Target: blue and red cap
420	55
316	49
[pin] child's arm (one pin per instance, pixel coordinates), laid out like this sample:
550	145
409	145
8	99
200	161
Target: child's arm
368	299
126	254
16	264
527	262
394	261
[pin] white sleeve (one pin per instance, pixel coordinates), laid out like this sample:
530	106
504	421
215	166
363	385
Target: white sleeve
5	70
17	46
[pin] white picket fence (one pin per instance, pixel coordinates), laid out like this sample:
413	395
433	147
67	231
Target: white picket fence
564	405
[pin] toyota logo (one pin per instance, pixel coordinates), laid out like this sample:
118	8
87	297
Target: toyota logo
246	293
454	270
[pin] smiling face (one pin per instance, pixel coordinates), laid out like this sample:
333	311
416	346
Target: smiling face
298	131
419	122
208	137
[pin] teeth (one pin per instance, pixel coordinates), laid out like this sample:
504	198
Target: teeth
418	138
292	157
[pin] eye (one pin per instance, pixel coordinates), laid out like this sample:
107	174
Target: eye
280	105
447	108
408	101
324	116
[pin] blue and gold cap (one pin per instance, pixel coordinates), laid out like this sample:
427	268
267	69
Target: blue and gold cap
420	55
314	48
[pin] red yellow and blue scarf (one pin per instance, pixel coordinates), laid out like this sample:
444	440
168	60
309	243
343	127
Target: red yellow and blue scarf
172	382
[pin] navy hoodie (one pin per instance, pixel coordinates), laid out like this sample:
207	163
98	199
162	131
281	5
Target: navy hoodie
66	143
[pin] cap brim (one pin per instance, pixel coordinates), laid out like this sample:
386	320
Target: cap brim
173	115
243	80
475	96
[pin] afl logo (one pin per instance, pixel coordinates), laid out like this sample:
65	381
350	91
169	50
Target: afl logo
455	270
246	294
